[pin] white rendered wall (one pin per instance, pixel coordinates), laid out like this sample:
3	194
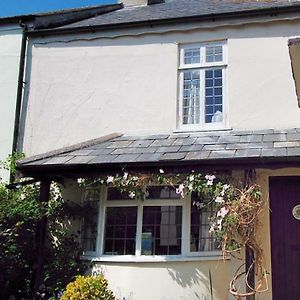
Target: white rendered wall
85	86
10	43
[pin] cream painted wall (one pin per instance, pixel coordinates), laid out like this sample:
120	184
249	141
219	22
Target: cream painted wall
85	86
10	43
167	281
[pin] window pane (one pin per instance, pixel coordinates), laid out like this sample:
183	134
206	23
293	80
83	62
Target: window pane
213	96
214	53
192	56
161	233
162	192
90	220
201	213
120	230
191	97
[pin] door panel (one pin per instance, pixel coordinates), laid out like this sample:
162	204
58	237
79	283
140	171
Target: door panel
285	237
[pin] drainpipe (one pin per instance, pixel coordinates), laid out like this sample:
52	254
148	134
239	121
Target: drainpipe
19	91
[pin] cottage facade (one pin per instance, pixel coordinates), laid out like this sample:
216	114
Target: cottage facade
181	85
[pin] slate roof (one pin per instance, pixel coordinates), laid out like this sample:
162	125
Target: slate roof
177	9
203	147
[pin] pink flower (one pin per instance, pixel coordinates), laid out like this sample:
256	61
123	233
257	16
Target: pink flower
222	212
110	179
180	190
219	200
210	179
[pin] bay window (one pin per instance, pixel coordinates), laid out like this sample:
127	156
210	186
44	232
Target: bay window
164	224
202	72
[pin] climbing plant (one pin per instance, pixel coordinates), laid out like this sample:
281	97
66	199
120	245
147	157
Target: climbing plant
236	218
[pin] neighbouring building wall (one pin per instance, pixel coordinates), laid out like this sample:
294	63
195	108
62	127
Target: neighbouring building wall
10	43
85	86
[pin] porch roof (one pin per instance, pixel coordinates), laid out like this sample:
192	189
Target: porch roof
184	148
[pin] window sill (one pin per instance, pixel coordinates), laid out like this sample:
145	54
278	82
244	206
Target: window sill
195	129
145	259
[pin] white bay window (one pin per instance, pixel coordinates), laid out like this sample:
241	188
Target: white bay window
163	225
202	76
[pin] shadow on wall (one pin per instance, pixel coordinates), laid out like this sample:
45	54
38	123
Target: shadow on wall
200	281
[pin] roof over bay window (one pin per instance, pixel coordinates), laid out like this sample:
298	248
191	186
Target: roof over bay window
211	149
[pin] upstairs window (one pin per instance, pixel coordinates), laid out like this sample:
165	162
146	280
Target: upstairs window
202	85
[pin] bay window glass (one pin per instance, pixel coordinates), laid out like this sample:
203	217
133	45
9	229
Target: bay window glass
164	224
201	213
120	230
161	231
89	223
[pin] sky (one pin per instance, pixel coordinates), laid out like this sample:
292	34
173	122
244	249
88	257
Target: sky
10	8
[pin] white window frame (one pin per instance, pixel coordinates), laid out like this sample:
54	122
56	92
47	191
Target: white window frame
186	254
202	66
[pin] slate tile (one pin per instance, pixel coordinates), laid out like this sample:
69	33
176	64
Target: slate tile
37	162
126	158
58	160
119	144
80	159
264	145
191	148
248	153
222	154
174	156
168	149
195	155
181	135
134	150
184	142
105	158
237	146
100	151
158	136
163	142
289	130
141	143
149	157
215	147
274	152
286	144
242	132
254	138
100	146
276	137
264	131
229	139
81	152
204	140
294	136
293	151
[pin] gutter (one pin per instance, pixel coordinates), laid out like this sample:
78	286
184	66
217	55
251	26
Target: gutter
19	91
274	11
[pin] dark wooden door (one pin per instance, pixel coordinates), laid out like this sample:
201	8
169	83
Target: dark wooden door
285	237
